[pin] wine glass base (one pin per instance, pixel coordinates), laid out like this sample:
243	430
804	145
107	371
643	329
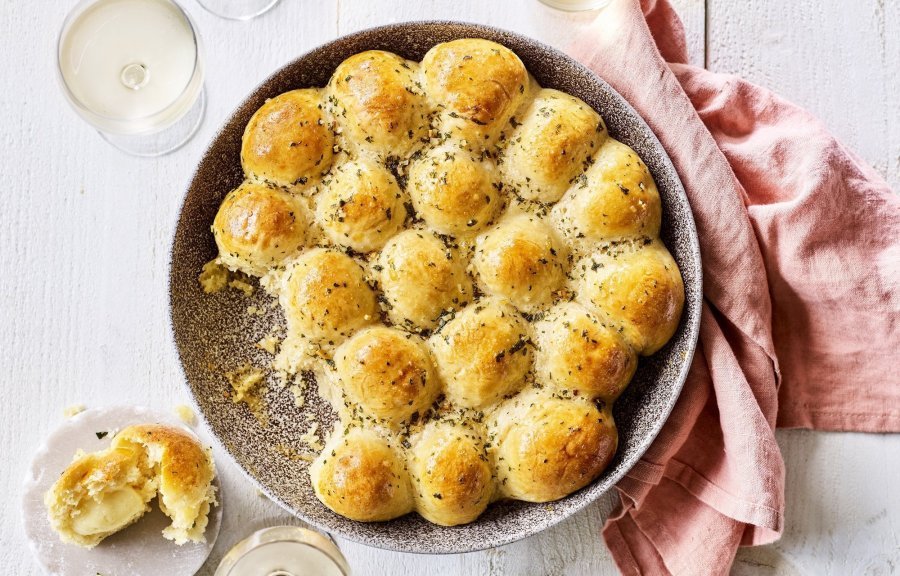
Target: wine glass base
166	140
237	9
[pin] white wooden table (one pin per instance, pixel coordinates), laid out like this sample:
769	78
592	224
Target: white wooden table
85	233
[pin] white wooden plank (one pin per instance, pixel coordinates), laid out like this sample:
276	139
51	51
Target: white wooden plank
838	59
842	507
693	15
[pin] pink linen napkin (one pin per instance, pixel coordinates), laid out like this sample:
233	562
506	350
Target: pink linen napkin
800	325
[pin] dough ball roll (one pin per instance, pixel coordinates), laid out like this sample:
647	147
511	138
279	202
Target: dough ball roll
615	198
98	495
553	142
258	227
548	447
476	85
361	476
579	353
638	288
421	278
326	298
483	353
451	473
455	192
183	470
378	103
521	260
288	141
361	206
388	372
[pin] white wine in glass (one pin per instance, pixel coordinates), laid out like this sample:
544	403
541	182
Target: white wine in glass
284	551
133	70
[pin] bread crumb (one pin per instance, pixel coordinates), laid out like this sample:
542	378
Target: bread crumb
242	285
293	454
73	410
299	396
281	377
311	438
269	343
214	276
298	389
185	414
255	311
245	383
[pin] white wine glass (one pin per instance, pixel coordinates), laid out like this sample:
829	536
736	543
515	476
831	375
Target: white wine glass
285	551
133	69
238	9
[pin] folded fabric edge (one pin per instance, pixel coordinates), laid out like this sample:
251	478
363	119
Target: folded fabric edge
627	549
727	504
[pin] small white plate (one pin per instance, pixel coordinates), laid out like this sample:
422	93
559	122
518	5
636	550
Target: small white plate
140	549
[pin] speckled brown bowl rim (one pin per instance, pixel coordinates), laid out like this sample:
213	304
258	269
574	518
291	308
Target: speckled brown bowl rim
393	535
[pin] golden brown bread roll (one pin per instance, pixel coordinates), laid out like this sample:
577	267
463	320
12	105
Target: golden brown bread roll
566	131
475	84
455	192
288	140
421	278
103	492
258	227
579	353
548	447
451	473
184	471
389	373
326	298
521	260
361	476
361	206
483	353
378	103
615	198
639	289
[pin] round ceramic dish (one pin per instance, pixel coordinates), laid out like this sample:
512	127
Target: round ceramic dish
215	334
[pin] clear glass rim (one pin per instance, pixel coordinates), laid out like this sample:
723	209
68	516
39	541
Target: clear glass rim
293	534
242	18
89	114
